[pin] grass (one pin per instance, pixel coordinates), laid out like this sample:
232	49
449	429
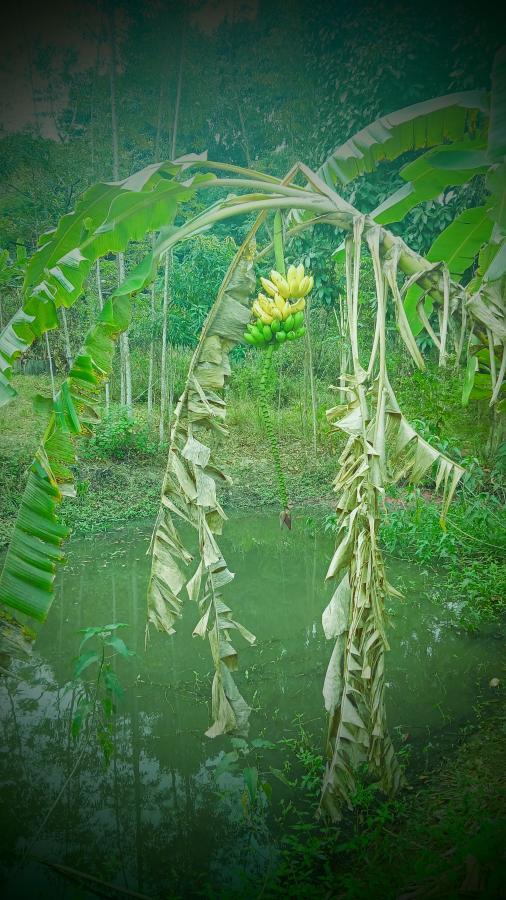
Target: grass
468	554
119	471
442	837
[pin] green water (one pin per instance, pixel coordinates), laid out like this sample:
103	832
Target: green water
158	820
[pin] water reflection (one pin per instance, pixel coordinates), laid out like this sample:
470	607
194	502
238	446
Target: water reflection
158	820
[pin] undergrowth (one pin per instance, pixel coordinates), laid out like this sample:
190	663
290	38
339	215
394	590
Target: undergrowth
442	836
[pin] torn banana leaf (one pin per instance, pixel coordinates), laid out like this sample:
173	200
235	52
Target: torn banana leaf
189	498
381	447
26	582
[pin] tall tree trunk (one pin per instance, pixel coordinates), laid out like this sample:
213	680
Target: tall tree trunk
168	256
163	364
178	94
151	370
101	304
124	346
163	82
93	110
245	141
107	388
234	66
126	372
35	106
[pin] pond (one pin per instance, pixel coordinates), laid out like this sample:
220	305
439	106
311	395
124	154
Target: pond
166	816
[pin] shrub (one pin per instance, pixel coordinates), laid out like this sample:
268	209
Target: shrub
112	437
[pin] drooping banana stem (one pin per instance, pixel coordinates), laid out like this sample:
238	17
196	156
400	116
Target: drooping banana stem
279	255
269	427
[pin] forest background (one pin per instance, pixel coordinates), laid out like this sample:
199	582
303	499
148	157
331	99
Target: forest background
95	92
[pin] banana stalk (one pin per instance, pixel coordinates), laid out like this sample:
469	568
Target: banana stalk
271	434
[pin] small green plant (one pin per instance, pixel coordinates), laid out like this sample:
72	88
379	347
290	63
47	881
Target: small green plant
112	438
310	760
479	589
118	436
256	790
96	696
94	703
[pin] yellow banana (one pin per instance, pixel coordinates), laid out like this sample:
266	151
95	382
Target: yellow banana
281	283
265	303
293	285
269	286
264	317
279	302
273	310
280	290
303	286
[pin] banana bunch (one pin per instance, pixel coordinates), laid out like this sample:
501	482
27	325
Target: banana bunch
276	319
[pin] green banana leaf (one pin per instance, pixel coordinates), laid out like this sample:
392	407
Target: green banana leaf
469	375
417	127
425	180
496	184
485	259
454	158
26	582
106	219
92	210
497	128
482	387
459	243
497	268
458	246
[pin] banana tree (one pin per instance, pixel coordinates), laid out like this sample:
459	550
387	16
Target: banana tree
381	446
464	137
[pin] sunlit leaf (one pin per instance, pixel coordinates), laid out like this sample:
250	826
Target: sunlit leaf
415	127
